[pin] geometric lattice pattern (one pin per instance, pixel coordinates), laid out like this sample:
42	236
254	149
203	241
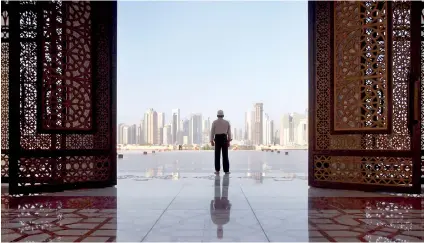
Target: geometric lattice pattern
400	137
4	90
389	171
361	66
369	89
69	169
66	94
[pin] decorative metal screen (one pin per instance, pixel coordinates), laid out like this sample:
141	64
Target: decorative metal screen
67	79
63	133
4	91
362	67
365	103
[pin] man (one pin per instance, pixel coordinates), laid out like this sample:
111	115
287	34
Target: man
220	206
220	138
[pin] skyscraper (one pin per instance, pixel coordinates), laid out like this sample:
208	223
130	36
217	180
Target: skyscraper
140	138
132	134
271	132
146	128
151	127
249	126
167	134
289	128
284	130
176	126
161	119
120	133
195	130
265	131
186	128
125	134
302	132
142	132
292	127
246	125
258	124
206	127
161	124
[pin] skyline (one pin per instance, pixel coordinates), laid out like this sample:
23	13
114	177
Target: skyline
259	129
168	116
171	54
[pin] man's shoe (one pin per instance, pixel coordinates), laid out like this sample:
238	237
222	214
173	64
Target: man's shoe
227	173
216	172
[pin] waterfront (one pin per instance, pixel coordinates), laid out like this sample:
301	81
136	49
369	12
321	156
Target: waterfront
191	163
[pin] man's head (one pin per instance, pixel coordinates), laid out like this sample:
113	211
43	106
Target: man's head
220	114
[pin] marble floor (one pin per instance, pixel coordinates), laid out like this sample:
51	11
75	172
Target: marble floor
208	208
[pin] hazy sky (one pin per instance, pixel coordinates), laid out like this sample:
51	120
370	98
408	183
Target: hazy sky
205	56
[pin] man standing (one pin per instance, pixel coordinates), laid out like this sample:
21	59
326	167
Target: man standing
220	138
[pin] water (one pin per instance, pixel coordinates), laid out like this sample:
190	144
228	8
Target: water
201	162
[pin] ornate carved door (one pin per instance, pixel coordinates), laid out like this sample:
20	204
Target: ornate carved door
58	95
422	91
364	95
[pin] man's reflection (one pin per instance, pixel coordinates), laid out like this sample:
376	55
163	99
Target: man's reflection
221	206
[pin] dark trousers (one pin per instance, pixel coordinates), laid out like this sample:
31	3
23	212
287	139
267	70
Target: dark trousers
221	144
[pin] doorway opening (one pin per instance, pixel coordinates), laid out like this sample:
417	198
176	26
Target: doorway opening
59	122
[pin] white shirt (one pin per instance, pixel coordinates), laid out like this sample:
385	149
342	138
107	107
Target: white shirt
220	126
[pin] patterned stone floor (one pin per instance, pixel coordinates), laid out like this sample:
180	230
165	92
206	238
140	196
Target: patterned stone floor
209	209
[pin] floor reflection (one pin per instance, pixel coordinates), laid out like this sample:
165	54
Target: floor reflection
59	218
186	212
366	219
220	206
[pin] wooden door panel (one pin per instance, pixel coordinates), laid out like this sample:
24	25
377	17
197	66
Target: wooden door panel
361	82
362	133
62	96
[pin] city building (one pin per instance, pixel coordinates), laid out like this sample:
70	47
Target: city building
249	128
175	116
125	134
302	132
132	134
151	127
167	134
267	133
289	134
161	124
120	133
271	132
140	138
186	127
258	123
195	130
206	127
